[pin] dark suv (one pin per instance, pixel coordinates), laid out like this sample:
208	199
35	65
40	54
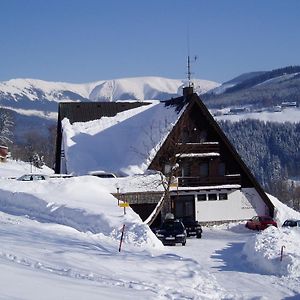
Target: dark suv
291	223
193	228
171	232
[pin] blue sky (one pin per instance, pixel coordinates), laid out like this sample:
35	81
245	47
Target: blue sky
88	40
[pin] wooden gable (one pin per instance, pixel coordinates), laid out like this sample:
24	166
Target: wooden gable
203	152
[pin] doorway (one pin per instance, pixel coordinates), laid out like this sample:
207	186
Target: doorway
184	206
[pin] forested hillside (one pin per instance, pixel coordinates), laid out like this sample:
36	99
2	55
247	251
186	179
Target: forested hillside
266	89
272	152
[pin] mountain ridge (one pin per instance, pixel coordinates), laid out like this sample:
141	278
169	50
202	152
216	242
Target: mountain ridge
44	95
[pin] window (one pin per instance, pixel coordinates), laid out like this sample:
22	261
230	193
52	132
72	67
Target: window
221	170
201	197
212	197
185	170
223	196
185	135
203	136
167	169
204	169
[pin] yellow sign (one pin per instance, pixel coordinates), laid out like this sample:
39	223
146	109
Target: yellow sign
124	204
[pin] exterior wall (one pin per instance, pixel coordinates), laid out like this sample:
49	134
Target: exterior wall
241	205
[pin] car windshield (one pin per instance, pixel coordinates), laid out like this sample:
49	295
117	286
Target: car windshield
172	226
266	219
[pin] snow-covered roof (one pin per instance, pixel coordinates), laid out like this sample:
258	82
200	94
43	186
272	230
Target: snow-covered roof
191	155
124	144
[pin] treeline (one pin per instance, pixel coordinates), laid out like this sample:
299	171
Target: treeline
272	152
35	147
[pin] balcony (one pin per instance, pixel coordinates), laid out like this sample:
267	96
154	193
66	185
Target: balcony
207	147
209	181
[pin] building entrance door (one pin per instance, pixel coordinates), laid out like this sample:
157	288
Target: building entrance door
184	206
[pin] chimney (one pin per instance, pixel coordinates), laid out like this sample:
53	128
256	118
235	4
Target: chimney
187	91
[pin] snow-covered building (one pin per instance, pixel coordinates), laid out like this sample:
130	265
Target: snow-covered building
129	138
3	153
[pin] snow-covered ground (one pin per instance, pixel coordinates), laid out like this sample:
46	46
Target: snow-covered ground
60	240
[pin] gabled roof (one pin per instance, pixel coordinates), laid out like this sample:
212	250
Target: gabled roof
247	177
126	138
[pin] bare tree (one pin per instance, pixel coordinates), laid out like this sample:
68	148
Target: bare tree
166	163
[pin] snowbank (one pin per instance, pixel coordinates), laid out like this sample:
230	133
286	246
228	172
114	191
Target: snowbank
79	202
282	211
263	251
12	168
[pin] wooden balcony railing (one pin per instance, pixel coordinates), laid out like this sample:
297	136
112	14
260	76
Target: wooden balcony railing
209	181
198	147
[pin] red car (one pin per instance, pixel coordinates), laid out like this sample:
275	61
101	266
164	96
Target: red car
260	223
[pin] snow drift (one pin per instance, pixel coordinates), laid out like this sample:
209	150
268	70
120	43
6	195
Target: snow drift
263	251
79	202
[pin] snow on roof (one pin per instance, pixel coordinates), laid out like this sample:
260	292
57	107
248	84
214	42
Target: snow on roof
209	154
124	144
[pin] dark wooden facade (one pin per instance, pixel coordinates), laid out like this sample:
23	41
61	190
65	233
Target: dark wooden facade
203	152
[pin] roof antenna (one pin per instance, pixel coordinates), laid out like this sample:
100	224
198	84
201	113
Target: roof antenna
189	89
190	84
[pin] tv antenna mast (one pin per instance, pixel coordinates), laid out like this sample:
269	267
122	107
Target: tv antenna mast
189	72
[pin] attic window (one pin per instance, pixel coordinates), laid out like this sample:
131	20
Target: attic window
185	135
203	136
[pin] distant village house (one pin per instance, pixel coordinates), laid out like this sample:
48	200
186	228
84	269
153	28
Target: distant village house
3	153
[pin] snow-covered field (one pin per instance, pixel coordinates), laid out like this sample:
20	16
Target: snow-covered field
60	240
286	115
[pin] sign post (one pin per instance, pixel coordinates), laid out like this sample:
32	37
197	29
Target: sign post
124	204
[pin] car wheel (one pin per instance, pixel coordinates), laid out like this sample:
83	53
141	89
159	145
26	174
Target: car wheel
256	227
183	244
198	236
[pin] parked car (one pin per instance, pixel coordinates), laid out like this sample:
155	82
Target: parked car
193	228
31	177
291	223
260	223
171	232
102	174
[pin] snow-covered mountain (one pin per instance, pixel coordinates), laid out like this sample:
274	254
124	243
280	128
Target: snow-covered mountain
43	95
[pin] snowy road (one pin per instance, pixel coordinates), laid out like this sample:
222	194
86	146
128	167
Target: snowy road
50	261
220	253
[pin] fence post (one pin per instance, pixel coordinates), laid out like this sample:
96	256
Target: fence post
121	240
281	253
